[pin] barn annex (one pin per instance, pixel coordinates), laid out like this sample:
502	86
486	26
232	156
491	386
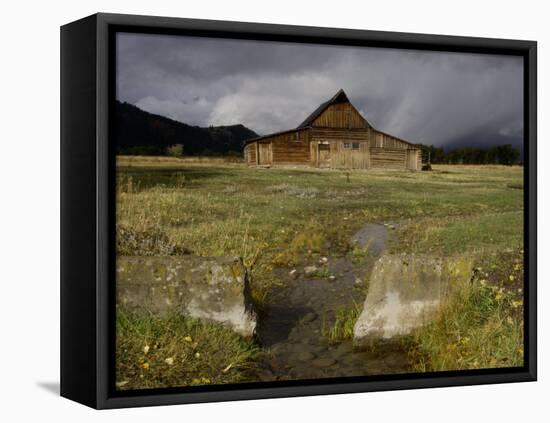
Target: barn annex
334	136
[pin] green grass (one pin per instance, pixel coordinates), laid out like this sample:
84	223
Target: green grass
275	217
231	209
342	328
481	326
471	234
321	273
178	351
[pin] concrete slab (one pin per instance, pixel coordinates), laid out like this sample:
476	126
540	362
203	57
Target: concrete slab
209	288
404	293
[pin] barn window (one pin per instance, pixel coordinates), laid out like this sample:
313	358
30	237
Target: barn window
351	145
295	136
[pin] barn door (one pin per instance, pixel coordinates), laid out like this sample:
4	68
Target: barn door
412	159
324	155
264	153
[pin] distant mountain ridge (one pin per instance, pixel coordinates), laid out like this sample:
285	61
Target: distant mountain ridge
141	132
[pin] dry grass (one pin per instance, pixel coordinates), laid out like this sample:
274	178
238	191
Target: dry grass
170	160
274	217
481	326
179	351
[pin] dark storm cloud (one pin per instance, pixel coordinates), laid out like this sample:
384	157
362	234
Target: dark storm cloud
429	97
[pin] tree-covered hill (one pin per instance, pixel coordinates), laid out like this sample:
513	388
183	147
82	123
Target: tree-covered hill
141	132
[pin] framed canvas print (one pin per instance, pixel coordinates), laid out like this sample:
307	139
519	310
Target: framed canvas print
256	211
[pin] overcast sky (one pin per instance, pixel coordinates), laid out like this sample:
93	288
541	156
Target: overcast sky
446	99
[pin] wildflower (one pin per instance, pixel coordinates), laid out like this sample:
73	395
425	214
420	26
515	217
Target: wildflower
517	303
145	366
169	361
197	354
146	349
498	296
188	339
511	277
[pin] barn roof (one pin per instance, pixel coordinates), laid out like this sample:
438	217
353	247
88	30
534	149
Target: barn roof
339	97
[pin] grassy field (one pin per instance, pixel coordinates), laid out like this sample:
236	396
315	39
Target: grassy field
273	217
178	351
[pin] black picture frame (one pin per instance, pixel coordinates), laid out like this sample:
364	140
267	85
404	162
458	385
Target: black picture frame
87	209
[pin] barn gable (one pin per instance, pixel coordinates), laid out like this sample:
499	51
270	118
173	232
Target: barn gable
338	112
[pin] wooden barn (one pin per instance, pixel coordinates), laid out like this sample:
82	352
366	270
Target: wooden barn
334	136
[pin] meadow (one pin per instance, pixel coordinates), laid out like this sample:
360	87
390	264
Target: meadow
275	217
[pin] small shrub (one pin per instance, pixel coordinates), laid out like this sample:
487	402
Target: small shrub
148	241
175	150
126	185
179	179
310	239
342	329
358	252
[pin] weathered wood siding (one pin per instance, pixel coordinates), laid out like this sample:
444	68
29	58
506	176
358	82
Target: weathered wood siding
390	158
265	153
291	148
342	115
301	147
382	140
328	134
414	159
250	153
345	158
341	157
390	152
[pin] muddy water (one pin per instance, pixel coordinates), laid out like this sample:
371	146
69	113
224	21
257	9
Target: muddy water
292	329
373	236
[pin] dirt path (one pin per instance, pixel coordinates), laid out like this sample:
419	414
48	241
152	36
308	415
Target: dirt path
308	302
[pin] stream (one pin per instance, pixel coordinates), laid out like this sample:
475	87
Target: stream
292	329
